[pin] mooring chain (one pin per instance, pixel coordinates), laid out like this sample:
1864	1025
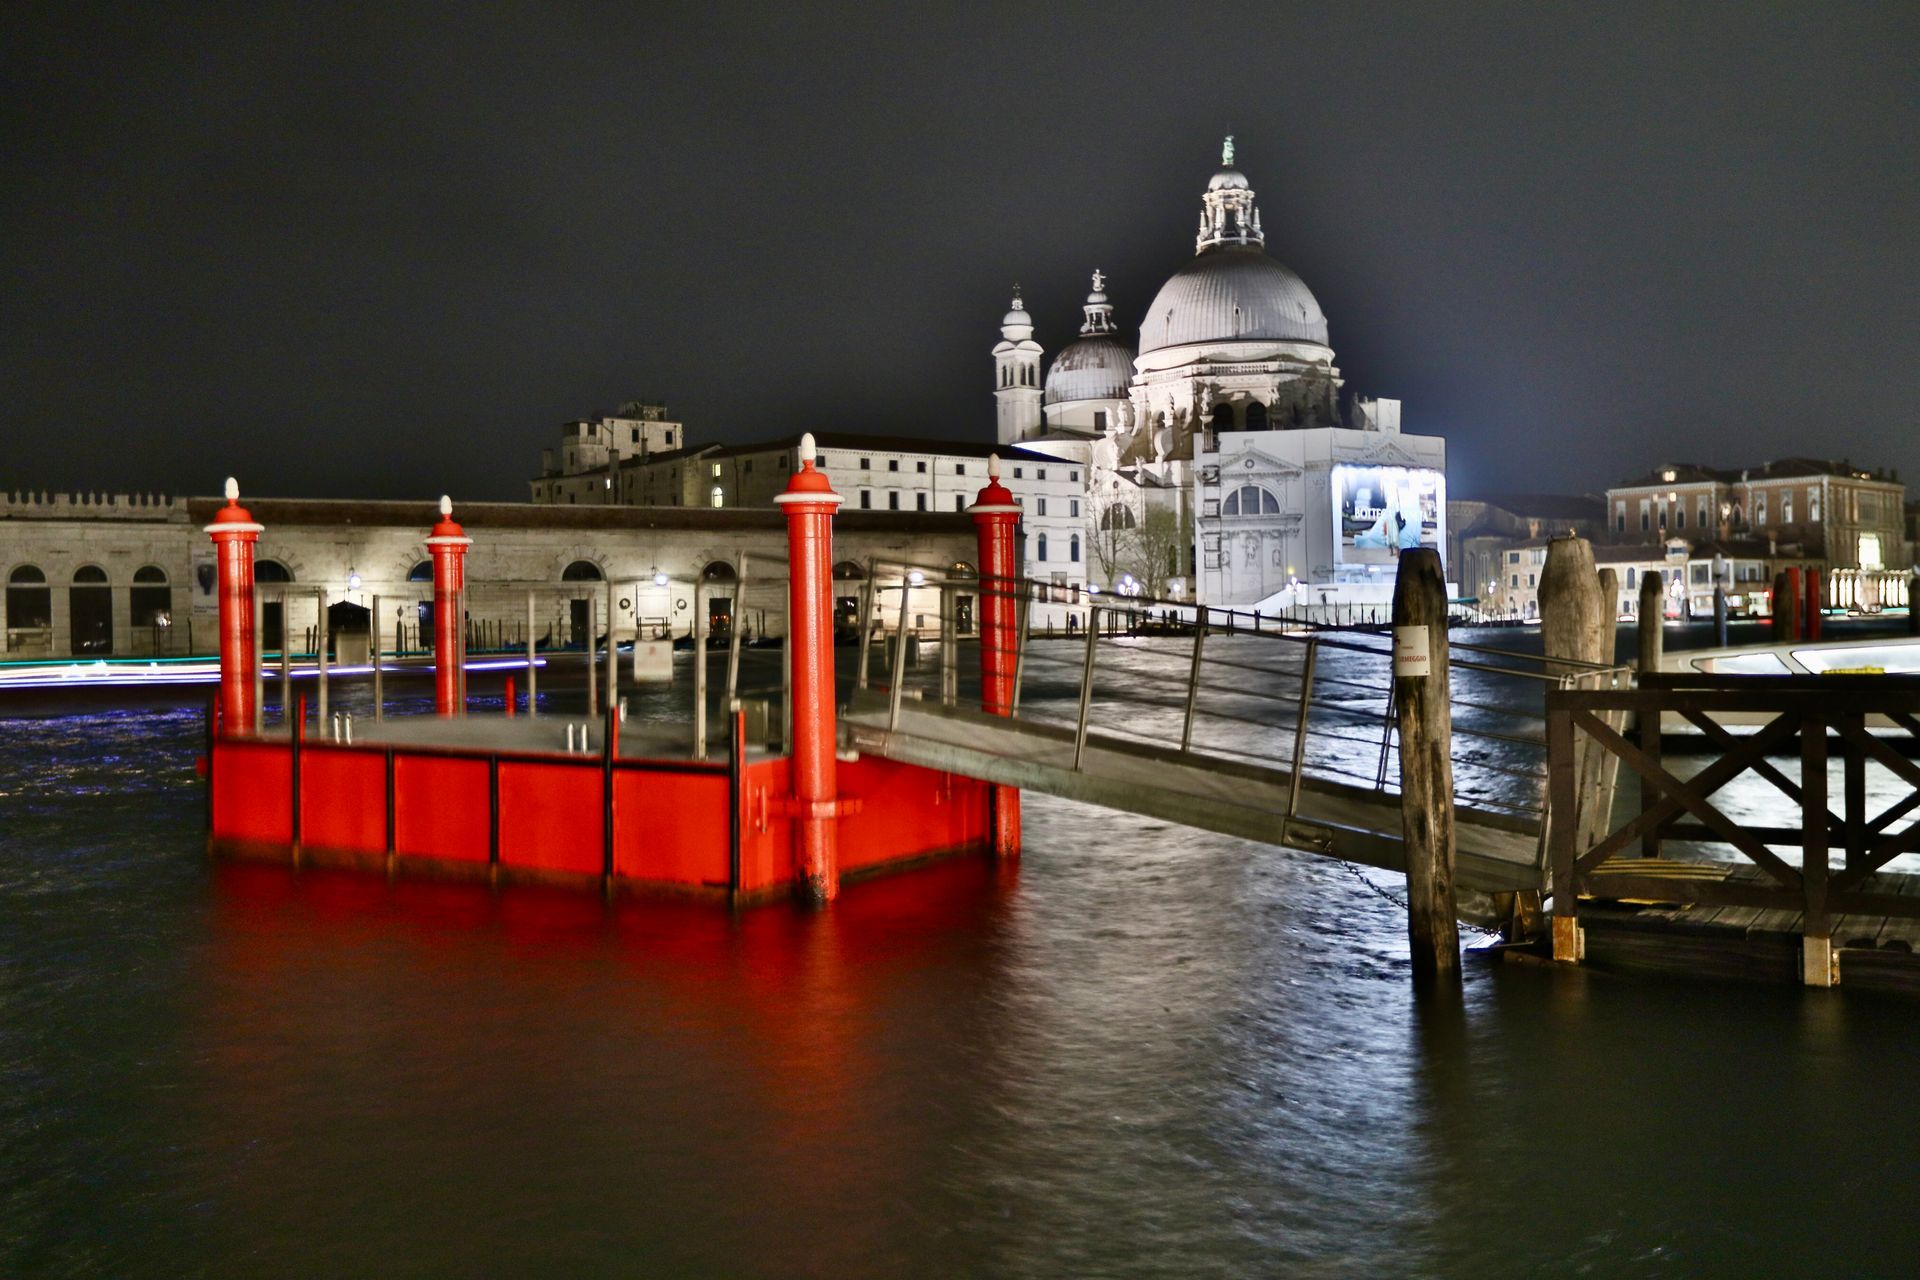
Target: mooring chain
1401	904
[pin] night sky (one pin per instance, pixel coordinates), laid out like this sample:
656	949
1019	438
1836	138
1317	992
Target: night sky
387	250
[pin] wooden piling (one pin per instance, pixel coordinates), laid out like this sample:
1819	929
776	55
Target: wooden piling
1652	621
1786	609
1423	704
1571	614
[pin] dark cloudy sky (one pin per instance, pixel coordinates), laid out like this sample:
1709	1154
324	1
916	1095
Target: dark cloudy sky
387	249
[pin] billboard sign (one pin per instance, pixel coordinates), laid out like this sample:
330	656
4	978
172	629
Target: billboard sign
1378	512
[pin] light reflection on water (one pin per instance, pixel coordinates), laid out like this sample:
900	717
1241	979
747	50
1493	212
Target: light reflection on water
1148	1051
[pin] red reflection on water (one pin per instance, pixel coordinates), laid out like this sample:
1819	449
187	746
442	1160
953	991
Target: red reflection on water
722	1085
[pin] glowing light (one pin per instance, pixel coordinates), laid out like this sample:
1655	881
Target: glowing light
353	581
659	579
916	577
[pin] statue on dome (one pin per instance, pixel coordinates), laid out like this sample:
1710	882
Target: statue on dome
1226	153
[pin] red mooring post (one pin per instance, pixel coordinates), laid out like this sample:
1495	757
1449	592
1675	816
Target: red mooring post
1799	631
1813	604
996	520
448	546
810	502
234	533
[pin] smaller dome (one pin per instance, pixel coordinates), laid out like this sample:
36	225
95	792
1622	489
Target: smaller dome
1228	180
1099	367
1015	317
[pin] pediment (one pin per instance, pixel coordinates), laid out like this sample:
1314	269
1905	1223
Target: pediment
1250	461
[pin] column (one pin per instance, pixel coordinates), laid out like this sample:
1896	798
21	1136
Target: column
809	502
448	547
996	523
234	532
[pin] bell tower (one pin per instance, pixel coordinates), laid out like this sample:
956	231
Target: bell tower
1016	371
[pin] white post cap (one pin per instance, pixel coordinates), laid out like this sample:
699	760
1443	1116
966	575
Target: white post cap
993	466
446	505
808	451
233	489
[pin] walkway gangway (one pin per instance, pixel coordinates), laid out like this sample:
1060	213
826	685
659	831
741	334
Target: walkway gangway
1279	735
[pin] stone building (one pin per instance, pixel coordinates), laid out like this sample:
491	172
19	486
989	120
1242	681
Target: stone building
115	577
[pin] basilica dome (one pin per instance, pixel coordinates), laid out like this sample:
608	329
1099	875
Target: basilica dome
1097	367
1232	293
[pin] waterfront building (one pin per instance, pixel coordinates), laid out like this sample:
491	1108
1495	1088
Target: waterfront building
591	449
119	576
1482	533
1845	517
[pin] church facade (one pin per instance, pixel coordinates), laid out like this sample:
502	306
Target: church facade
1227	465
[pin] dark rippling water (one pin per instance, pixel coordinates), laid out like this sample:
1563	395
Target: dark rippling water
1147	1051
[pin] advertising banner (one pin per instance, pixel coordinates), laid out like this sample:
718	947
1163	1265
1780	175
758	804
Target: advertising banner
1378	512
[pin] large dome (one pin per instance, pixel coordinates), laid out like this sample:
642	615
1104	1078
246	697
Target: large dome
1232	294
1097	367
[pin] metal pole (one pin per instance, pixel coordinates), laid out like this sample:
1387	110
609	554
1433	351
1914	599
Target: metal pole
1086	687
286	661
786	671
613	655
1300	726
949	640
1024	599
866	628
733	639
373	635
1193	687
320	604
593	654
533	703
899	688
260	661
699	675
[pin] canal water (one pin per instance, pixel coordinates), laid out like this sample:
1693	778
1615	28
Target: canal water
1145	1052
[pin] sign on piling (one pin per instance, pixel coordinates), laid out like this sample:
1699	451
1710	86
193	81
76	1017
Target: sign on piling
1422	699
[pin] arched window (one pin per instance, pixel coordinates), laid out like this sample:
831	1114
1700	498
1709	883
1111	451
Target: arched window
1041	553
422	572
1117	516
151	598
1256	416
271	571
90	601
581	571
1249	500
1223	416
718	571
29	599
848	570
1073	549
960	569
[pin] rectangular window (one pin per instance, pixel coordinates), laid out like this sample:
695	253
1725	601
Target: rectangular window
1099	419
893	464
866	499
1700	572
1679	517
959	502
1042	473
1043	506
1645	521
959	468
636	435
866	464
1786	507
820	461
1530	581
1075	477
893	499
919	502
1513	557
1074	503
716	469
920	467
1018	474
1514	581
1632	576
1813	506
1705	512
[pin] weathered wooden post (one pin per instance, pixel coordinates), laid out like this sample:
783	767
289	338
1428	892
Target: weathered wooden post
1653	620
1652	643
1423	700
1604	765
1571	613
1786	607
